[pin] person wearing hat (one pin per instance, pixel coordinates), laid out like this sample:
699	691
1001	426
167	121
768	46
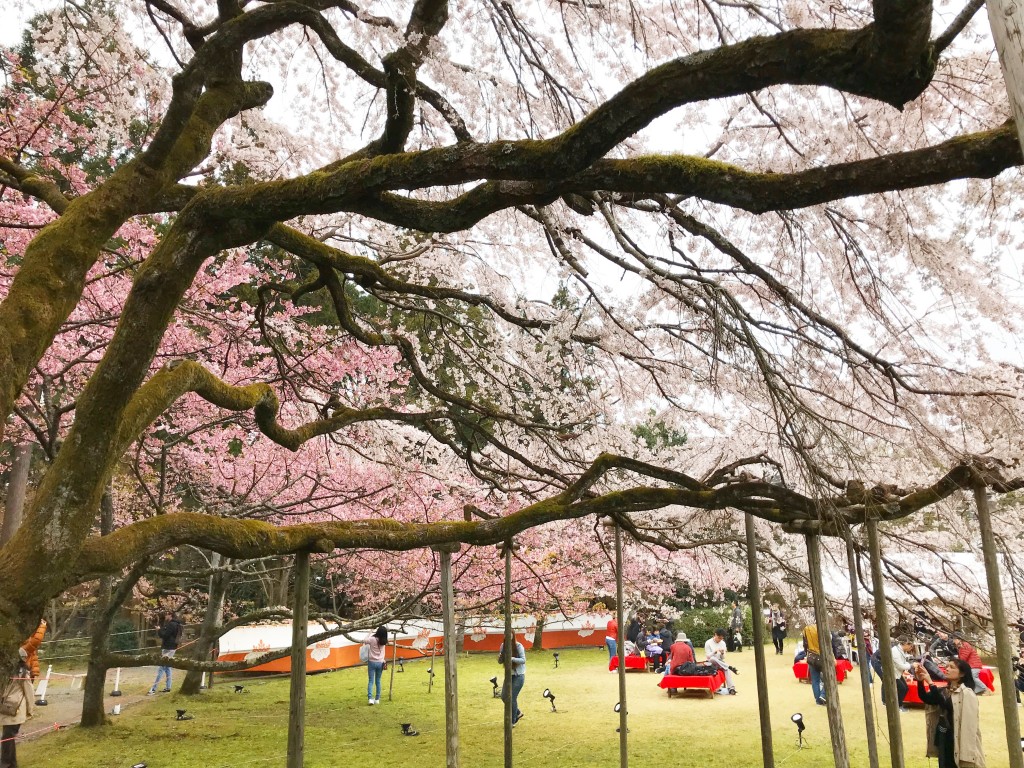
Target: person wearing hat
680	652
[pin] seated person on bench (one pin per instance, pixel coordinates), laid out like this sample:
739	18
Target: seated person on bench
714	653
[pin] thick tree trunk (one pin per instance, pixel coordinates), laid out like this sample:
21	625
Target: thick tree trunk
16	491
93	711
212	620
1007	19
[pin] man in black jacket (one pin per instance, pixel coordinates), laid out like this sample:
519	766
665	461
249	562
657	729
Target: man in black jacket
170	633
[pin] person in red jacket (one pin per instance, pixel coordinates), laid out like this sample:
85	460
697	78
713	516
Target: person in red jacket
969	653
611	638
29	650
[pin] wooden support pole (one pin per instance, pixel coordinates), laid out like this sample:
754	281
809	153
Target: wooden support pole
1006	18
451	687
394	659
892	710
509	644
1003	648
297	699
863	661
621	644
754	595
828	660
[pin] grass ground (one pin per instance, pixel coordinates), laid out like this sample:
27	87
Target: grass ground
249	730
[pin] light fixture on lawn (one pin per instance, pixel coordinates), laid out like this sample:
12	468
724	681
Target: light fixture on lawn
239	689
430	671
556	659
494	681
183	715
618	708
401	666
408	730
550	697
800	727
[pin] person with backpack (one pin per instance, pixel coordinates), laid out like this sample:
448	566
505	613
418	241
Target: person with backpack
376	644
170	633
17	704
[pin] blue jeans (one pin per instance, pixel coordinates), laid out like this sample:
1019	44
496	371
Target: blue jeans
518	681
163	671
816	685
374	670
613	647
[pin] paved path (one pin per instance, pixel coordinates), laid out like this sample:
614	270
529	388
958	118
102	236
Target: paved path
64	697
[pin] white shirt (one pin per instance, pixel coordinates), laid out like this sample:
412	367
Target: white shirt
899	660
713	648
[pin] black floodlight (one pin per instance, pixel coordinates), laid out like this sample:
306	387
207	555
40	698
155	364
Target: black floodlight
239	689
139	765
430	671
401	666
494	681
800	727
183	715
556	659
408	730
550	697
618	706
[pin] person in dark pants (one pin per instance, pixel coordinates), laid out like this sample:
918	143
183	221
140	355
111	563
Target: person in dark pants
20	701
952	721
778	619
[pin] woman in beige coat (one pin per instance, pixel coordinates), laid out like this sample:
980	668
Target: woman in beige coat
17	694
951	717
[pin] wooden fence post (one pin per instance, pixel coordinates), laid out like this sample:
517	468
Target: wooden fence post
451	687
892	710
863	660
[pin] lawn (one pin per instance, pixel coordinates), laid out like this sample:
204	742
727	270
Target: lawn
249	729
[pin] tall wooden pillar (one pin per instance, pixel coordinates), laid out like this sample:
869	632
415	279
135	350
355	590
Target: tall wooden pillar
1007	20
621	645
1003	648
892	711
451	687
828	660
754	595
509	646
297	697
863	660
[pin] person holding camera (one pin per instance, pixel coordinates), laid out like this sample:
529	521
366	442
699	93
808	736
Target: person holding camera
17	705
952	720
170	634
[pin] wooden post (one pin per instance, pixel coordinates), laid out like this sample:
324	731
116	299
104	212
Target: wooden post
1007	20
754	595
828	660
451	688
430	670
394	660
1003	648
892	711
297	700
863	662
621	646
509	644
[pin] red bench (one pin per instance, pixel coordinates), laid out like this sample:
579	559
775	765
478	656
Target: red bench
709	683
632	662
842	667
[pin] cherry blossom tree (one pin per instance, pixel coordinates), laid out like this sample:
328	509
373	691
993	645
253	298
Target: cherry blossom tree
515	231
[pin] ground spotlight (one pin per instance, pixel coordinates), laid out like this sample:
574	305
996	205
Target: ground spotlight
556	659
183	715
800	727
618	706
550	697
139	765
494	681
430	671
408	730
401	666
239	689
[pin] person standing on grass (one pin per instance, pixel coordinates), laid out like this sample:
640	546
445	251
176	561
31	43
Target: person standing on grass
611	638
952	720
29	650
812	651
778	622
170	633
17	705
376	645
901	653
518	677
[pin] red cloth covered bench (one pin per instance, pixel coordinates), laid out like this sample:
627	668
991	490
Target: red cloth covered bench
842	667
984	674
709	683
632	662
